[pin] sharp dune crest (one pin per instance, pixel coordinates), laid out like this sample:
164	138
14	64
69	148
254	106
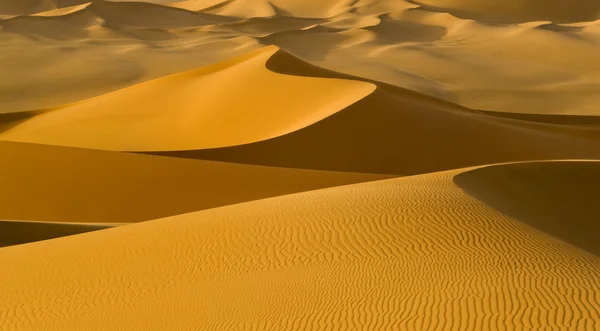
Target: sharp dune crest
398	132
195	109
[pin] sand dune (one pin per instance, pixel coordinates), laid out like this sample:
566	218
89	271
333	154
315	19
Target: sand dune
18	232
399	132
299	165
508	56
554	197
57	184
204	108
68	26
443	260
510	11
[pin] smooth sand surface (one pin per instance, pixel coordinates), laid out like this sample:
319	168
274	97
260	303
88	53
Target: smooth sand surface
412	253
58	184
205	108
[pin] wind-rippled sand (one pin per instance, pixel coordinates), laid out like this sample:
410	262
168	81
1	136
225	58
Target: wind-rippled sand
299	165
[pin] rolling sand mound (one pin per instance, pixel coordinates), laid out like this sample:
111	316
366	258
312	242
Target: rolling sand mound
58	184
510	11
204	108
24	7
313	9
70	26
555	197
150	15
412	253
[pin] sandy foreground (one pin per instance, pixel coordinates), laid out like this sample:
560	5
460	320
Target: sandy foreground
299	165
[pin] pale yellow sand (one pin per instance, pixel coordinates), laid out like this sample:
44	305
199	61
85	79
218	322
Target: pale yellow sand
413	253
58	184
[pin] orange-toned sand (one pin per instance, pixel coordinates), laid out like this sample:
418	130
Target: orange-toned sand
58	184
299	165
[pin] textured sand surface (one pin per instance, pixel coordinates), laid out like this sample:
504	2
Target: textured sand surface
299	165
411	253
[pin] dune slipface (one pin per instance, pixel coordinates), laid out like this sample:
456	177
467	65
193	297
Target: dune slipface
204	108
299	165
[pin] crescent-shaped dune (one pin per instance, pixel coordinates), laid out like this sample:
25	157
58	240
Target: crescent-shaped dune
400	132
410	253
204	108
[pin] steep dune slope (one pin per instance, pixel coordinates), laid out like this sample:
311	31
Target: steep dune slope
58	184
204	108
555	197
400	132
412	253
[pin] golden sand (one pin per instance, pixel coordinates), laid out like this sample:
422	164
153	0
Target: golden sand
299	165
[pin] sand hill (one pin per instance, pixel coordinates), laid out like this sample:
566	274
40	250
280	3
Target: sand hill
442	260
299	165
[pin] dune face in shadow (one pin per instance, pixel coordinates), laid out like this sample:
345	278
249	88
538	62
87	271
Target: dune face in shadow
16	233
392	31
395	131
559	198
58	184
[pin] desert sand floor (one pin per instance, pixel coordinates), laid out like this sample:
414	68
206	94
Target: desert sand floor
299	165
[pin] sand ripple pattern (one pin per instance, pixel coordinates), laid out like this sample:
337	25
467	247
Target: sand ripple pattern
413	253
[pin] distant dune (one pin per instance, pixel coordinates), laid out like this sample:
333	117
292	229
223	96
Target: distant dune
410	253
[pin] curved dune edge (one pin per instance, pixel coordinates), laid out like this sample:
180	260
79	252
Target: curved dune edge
559	198
61	184
205	108
398	132
443	260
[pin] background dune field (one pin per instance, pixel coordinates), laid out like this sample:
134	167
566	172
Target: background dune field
299	165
